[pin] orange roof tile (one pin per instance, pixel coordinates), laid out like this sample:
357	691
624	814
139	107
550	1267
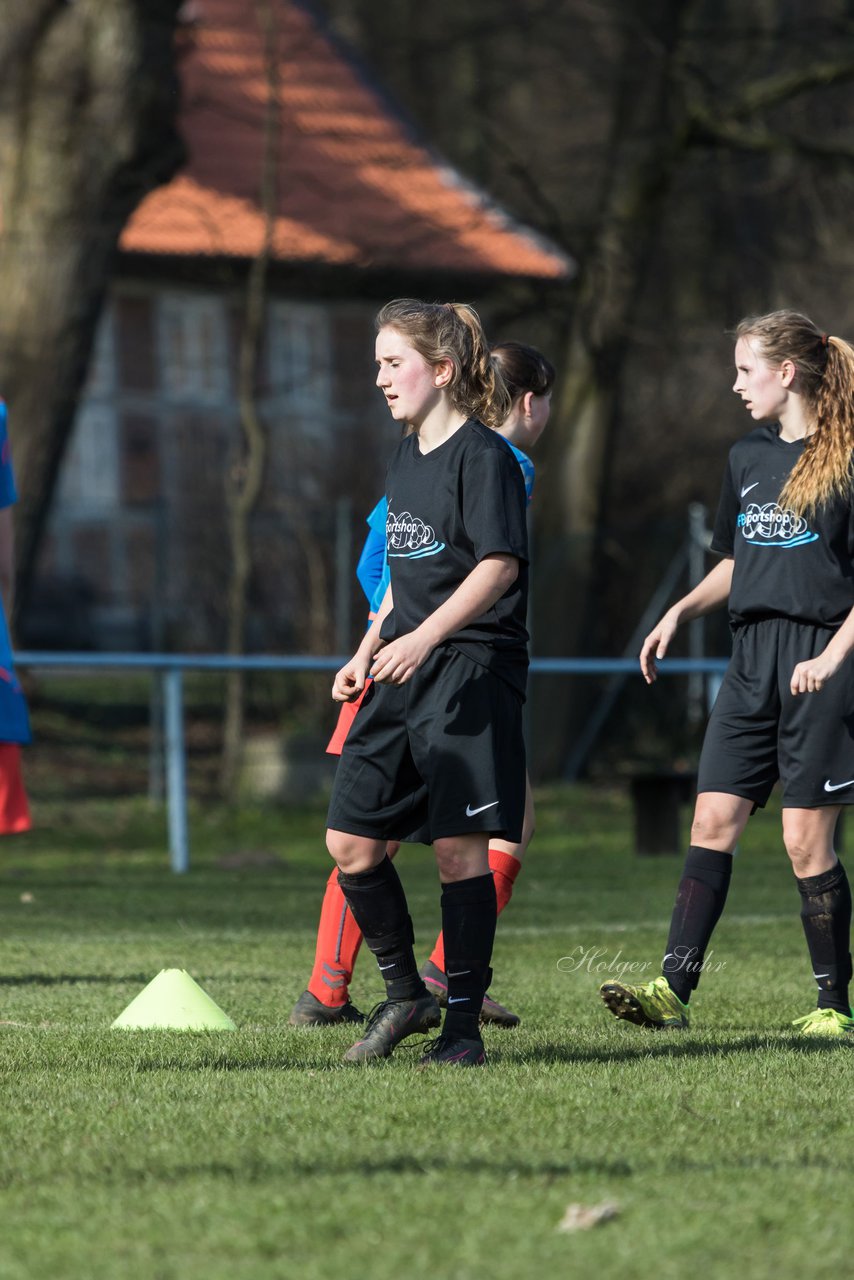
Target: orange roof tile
354	186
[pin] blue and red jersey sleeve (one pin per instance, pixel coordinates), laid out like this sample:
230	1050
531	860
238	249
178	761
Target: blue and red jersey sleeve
527	470
372	569
8	492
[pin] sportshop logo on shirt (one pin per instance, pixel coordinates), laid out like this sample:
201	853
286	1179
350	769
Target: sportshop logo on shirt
408	536
770	525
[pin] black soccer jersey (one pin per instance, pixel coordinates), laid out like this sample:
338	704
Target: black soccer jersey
447	510
785	566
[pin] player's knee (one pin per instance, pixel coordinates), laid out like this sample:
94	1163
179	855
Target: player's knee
807	858
336	844
800	854
713	829
461	859
808	836
808	855
350	852
449	864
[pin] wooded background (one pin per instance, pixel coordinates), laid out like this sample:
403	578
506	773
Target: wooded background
694	156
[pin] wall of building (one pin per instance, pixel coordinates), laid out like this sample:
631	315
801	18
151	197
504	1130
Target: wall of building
138	540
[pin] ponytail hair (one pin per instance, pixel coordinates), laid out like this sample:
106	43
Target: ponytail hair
452	331
524	369
825	374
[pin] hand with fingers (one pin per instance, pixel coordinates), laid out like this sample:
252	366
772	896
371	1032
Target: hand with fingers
398	661
350	680
812	675
656	645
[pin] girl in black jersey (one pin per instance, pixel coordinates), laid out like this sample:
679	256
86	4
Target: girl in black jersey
436	753
529	377
785	530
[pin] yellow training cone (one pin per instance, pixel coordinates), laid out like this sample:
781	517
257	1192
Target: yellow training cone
173	999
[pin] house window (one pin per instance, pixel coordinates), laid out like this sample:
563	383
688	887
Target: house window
101	374
90	469
298	359
89	476
193	350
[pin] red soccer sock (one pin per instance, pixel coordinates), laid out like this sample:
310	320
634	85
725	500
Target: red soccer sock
338	942
14	810
505	868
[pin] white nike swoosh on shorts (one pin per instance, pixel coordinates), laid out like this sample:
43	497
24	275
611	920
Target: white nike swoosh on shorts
470	812
837	786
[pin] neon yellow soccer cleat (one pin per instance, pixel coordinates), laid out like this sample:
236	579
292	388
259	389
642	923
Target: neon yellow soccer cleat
653	1004
825	1022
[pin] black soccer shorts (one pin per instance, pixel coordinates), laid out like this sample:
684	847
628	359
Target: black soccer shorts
759	732
442	755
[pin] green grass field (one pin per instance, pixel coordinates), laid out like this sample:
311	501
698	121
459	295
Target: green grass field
258	1154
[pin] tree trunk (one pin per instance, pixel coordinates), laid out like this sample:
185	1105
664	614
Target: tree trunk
88	94
648	136
246	475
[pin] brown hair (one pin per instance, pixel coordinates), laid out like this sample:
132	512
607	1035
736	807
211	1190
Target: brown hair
452	331
825	374
524	369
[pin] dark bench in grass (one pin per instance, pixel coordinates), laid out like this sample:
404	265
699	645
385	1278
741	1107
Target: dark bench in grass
657	799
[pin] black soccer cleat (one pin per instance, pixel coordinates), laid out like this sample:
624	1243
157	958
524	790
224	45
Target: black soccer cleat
454	1051
311	1012
491	1011
391	1022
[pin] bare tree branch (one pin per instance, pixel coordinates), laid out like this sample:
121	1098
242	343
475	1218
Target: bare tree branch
780	88
707	130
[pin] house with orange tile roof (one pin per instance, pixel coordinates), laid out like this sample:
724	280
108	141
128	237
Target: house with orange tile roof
364	209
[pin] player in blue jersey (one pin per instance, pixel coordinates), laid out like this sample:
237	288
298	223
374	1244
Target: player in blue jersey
529	378
373	574
14	721
372	569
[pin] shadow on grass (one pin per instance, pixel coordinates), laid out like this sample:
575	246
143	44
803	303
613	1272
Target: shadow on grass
219	1059
263	1171
653	1047
262	1048
127	979
253	1172
257	1172
72	979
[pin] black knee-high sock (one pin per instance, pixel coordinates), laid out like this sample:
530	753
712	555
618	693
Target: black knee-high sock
468	924
826	917
379	908
700	900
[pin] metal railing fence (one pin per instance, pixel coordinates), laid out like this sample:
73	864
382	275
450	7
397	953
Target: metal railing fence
171	668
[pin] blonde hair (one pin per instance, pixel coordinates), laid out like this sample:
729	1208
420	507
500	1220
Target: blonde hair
452	331
825	374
